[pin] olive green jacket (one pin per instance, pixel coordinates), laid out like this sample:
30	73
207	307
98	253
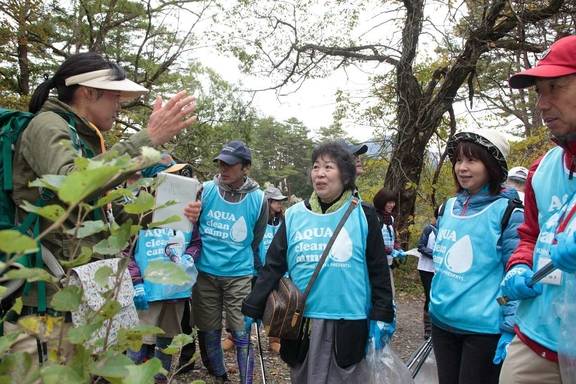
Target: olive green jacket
39	151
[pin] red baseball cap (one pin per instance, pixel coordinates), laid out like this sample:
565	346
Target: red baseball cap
557	61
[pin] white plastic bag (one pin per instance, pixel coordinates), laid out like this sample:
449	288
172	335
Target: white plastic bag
566	341
386	367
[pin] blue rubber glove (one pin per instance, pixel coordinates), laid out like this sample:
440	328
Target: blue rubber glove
140	299
502	347
563	254
515	283
380	333
248	321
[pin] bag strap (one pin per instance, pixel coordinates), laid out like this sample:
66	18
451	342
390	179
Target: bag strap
351	207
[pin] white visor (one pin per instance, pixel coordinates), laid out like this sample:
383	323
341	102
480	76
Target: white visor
102	79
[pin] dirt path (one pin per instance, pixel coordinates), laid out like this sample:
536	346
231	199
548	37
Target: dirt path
408	337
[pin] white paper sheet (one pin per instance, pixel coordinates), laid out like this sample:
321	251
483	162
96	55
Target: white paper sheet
180	189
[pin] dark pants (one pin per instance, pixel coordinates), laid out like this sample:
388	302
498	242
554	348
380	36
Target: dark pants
426	279
465	358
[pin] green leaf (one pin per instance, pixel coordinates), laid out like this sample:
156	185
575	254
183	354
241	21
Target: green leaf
82	333
169	203
110	309
7	341
81	362
51	182
113	365
51	212
84	257
13	242
134	229
113	195
81	163
143	373
165	272
132	337
88	228
18	305
30	274
59	374
102	276
80	184
178	342
143	203
168	220
116	242
151	155
67	299
18	368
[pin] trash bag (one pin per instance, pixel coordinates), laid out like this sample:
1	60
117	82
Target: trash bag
386	367
566	341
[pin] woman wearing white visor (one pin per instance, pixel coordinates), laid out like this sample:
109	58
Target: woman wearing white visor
89	90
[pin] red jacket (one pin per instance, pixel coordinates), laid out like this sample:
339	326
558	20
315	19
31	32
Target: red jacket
529	232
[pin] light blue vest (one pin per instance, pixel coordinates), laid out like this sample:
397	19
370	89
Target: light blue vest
165	244
342	290
539	318
267	240
227	232
469	269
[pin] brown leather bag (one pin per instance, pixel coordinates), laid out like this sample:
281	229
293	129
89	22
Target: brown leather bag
284	310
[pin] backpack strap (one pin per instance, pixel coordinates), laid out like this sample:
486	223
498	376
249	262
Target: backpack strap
513	204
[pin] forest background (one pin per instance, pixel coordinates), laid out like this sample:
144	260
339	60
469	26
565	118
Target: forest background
436	67
428	58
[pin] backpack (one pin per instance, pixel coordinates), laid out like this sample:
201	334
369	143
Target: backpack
12	124
512	205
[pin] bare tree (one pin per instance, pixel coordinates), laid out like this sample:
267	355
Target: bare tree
420	104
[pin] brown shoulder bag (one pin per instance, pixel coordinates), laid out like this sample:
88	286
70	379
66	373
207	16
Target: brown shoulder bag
285	305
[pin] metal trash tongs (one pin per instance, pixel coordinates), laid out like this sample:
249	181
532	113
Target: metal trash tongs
538	275
262	369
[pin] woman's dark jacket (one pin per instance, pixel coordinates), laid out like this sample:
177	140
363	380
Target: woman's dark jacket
276	266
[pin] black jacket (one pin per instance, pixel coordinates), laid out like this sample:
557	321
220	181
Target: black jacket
378	273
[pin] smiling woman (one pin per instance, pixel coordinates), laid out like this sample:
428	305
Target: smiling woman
337	322
470	254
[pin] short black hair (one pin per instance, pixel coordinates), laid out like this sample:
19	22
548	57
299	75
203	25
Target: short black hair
383	196
478	152
344	161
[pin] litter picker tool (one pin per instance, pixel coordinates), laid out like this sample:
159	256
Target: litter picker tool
419	357
262	369
539	275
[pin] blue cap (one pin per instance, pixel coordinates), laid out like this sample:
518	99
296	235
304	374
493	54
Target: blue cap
234	152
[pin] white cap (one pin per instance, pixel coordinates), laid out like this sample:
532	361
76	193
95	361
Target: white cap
274	193
102	79
518	173
496	145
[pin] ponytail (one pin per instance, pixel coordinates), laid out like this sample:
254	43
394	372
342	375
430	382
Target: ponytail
40	95
74	65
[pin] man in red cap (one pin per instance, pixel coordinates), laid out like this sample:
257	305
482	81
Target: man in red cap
548	230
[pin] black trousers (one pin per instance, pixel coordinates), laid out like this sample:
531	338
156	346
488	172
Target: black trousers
426	279
465	358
